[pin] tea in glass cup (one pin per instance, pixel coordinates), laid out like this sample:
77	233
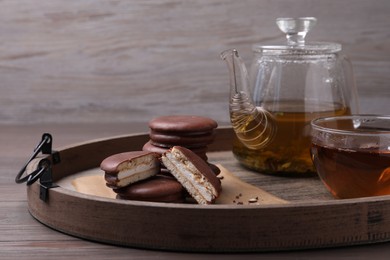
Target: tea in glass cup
352	154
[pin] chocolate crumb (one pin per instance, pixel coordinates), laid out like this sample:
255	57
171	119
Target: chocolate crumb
240	203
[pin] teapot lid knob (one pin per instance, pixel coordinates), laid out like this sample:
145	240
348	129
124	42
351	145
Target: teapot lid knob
296	29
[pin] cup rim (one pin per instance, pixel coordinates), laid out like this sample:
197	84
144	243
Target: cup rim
315	126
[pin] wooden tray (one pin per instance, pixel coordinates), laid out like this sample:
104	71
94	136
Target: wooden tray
310	219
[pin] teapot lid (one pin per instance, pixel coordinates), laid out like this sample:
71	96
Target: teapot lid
296	30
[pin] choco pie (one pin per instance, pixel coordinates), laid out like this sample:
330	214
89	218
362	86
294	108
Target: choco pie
142	175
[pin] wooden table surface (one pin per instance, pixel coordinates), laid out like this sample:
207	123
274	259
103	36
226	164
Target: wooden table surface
22	237
66	65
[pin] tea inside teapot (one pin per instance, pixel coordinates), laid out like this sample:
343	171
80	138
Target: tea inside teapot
287	87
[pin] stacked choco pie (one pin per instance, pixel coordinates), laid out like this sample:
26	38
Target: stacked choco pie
192	132
177	146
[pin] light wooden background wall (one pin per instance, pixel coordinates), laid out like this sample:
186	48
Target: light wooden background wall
122	61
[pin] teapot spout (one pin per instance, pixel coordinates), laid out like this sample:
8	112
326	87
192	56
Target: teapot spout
254	126
238	74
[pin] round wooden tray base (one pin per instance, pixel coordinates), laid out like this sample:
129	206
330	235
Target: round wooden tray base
310	219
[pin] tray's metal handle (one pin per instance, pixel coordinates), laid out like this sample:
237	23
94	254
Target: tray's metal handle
43	171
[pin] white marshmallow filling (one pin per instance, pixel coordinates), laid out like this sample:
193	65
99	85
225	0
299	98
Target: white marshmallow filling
137	169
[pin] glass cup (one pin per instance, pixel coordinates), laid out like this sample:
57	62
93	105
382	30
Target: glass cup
352	154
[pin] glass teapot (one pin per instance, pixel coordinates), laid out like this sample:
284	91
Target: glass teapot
287	86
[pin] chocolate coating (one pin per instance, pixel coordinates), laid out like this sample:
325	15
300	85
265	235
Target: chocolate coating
175	198
182	123
110	164
189	146
166	139
150	147
202	166
215	169
158	188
